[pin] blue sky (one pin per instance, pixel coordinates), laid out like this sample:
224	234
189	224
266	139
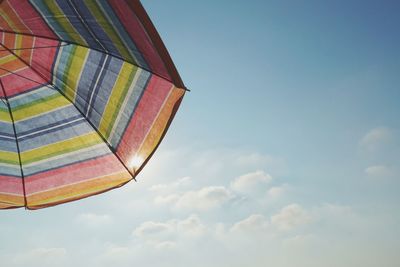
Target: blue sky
286	152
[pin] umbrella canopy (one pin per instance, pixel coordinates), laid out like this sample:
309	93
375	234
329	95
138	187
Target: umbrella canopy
88	91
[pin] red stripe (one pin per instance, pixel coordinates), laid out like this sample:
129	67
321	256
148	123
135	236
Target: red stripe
32	18
73	173
14	84
11	185
146	112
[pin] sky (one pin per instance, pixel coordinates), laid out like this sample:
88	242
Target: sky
285	153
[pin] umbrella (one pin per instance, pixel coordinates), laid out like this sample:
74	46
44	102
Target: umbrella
88	90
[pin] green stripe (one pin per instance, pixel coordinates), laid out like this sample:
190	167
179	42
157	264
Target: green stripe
36	102
67	69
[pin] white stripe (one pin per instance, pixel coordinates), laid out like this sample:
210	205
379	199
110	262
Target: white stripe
94	87
80	75
49	128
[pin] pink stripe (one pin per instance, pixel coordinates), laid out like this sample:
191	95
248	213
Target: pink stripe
14	84
73	173
43	58
146	112
11	185
139	37
31	18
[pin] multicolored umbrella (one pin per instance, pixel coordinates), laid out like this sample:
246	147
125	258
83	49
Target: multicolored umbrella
88	91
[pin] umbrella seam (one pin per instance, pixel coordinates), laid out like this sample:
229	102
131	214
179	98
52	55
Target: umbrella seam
16	142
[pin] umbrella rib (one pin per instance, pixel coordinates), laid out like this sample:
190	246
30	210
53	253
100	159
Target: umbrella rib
34	47
183	87
16	142
26	78
91	124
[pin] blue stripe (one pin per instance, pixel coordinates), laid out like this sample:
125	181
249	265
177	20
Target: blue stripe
58	75
97	30
90	72
54	137
43	120
78	26
60	126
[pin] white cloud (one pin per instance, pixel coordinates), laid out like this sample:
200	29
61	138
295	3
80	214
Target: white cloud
166	200
94	220
290	217
206	198
191	226
251	181
203	199
154	230
253	224
167	188
378	171
167	234
276	191
375	138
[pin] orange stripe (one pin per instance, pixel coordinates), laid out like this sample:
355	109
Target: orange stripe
9	201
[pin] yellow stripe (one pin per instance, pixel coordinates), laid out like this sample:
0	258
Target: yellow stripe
10	201
6	59
58	148
114	102
9	157
40	107
4	116
78	63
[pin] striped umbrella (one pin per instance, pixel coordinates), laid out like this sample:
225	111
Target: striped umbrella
88	91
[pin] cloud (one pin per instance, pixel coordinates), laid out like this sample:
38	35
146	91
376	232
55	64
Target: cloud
375	138
290	217
254	223
251	181
155	231
378	171
94	220
203	199
167	234
277	191
166	188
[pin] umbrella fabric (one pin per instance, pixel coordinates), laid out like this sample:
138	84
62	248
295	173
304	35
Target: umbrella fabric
88	91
